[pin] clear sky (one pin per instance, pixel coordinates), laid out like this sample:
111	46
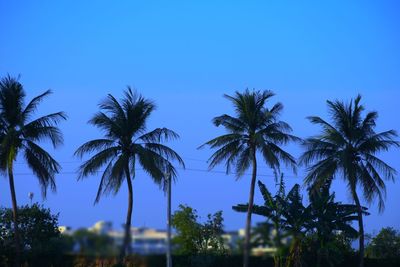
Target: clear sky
185	55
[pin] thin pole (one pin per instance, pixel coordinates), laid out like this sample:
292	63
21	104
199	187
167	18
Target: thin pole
169	257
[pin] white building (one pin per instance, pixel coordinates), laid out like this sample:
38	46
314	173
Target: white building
146	241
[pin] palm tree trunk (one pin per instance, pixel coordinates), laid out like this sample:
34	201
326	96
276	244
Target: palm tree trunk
360	227
126	246
169	257
246	253
17	242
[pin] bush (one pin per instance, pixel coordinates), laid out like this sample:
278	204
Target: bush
41	242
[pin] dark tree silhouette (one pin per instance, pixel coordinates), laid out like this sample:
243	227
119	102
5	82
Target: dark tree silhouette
19	135
254	128
348	148
126	142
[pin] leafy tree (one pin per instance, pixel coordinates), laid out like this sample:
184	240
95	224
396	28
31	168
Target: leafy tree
297	221
332	253
272	209
41	240
288	216
125	144
19	135
319	222
348	148
329	219
254	128
386	244
194	237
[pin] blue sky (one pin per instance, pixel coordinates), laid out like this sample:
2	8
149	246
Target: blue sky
185	55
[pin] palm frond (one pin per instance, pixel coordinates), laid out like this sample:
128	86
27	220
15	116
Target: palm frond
284	156
45	133
94	145
111	127
378	142
158	135
166	152
232	124
33	104
104	182
244	159
111	105
228	151
42	165
153	163
92	165
12	96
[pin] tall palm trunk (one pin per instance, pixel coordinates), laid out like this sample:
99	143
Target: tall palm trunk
360	227
17	242
246	253
169	256
127	237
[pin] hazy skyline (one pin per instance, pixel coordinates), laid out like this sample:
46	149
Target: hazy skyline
185	56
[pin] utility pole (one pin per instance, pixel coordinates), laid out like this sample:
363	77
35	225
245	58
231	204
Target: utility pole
30	195
169	256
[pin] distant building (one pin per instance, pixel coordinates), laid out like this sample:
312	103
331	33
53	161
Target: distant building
101	228
146	241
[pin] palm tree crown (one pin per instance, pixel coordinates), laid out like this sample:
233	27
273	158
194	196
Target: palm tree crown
126	142
348	148
254	128
18	133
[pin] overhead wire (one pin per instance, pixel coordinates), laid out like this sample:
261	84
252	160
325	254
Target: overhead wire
180	168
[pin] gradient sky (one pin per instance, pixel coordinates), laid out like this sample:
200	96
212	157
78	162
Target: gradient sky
185	55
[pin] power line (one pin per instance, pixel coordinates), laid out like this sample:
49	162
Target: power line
260	167
182	169
185	158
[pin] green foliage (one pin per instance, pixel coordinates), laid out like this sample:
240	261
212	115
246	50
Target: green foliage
20	134
331	231
126	142
348	149
386	244
314	226
287	215
271	232
317	252
40	237
194	237
253	128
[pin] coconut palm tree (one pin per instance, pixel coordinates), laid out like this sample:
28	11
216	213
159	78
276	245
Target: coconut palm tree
254	128
348	148
19	135
126	142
